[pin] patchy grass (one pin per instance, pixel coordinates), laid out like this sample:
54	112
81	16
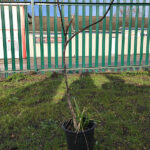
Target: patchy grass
33	108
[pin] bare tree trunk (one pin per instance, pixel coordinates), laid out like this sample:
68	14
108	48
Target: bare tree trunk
67	87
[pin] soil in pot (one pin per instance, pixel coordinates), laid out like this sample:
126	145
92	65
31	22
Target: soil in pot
83	140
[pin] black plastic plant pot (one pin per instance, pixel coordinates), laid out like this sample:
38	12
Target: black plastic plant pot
81	140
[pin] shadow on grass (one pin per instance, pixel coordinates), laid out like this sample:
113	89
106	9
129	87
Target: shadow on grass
121	88
82	89
40	92
28	116
121	109
132	103
87	93
114	101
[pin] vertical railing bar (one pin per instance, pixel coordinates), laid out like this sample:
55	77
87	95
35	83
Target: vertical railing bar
129	38
83	35
123	35
117	31
34	39
148	40
142	34
48	35
56	35
70	30
27	36
97	36
41	35
4	39
77	37
62	33
90	35
136	33
19	37
110	36
12	38
103	38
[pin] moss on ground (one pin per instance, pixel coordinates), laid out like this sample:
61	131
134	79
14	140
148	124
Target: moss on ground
33	108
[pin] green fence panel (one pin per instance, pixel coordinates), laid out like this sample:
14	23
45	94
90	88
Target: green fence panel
48	35
12	39
4	39
148	40
77	37
56	35
34	39
41	35
19	38
110	36
90	35
62	33
117	31
142	33
114	10
123	36
97	36
136	33
27	36
70	43
83	35
129	37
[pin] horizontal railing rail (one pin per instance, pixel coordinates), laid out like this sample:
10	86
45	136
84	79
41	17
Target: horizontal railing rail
72	3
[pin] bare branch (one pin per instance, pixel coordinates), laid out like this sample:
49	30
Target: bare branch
67	87
92	23
62	23
69	25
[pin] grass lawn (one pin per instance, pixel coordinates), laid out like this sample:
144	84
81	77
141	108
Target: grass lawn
33	108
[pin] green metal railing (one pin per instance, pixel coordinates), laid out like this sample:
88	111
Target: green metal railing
121	41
